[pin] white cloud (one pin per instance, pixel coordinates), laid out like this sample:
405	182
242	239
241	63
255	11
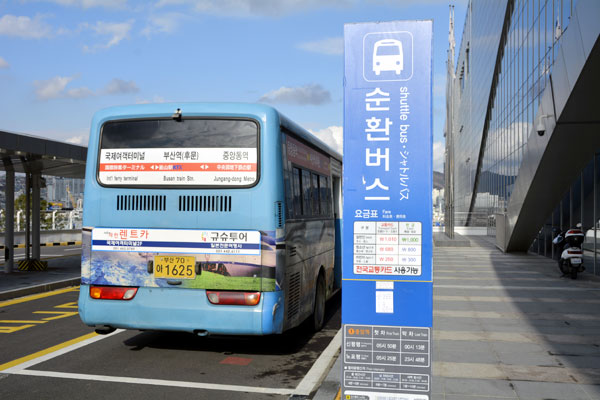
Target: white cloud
155	99
332	136
3	63
51	88
312	94
57	88
328	46
79	93
116	31
119	86
164	23
24	27
439	150
252	8
80	140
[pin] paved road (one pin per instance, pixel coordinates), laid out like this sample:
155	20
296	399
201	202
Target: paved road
47	353
50	252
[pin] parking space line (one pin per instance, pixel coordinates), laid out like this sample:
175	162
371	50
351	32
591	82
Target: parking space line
320	367
51	352
59	314
157	382
37	296
13	329
21	365
21	321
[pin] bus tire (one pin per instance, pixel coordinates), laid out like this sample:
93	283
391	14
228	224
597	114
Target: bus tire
318	317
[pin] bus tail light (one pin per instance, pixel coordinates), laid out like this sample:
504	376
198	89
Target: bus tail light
112	292
233	298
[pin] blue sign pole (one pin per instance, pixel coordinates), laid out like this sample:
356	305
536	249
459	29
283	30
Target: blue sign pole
387	287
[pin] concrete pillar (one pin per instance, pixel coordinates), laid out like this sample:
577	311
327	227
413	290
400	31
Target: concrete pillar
27	215
9	224
36	218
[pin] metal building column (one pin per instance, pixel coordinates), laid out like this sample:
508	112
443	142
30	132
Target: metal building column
27	215
32	229
35	222
9	218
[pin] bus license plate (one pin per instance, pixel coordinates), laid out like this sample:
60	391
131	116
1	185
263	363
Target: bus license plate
175	267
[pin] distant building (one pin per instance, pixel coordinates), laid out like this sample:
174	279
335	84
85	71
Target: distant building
438	206
438	198
522	130
56	190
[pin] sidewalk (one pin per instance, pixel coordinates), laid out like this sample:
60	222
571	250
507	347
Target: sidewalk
507	326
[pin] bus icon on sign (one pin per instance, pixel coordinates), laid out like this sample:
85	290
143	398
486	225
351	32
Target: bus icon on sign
388	56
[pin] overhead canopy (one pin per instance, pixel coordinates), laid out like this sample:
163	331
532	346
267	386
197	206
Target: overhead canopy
27	154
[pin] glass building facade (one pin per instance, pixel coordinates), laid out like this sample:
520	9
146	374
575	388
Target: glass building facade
506	58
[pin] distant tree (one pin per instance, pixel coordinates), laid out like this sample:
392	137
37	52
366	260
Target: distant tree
20	203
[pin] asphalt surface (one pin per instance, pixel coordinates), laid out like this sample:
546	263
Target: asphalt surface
133	364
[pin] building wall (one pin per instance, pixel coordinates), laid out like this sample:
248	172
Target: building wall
473	79
530	35
534	33
525	58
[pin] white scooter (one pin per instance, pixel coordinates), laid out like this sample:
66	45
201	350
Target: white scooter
571	258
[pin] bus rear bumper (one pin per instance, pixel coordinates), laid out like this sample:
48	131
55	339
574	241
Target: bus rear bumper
177	309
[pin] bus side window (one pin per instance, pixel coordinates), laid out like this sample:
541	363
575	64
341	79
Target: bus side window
289	195
306	206
297	184
325	198
315	195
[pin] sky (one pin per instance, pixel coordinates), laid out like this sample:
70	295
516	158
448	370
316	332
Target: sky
63	60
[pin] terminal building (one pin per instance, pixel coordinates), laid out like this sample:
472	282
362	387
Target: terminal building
523	123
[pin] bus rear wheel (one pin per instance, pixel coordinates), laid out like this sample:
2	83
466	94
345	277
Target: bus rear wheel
318	317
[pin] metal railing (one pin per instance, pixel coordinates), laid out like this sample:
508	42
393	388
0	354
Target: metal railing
49	220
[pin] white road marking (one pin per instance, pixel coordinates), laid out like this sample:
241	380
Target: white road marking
320	367
155	382
17	369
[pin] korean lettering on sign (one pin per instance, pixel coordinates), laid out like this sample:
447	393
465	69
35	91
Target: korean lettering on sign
387	208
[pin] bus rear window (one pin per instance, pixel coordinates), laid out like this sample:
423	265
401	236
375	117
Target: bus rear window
191	152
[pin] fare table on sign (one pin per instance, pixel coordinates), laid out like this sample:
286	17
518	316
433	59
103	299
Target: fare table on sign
387	277
387	248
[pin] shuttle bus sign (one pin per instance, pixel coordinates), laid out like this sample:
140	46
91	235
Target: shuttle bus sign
387	233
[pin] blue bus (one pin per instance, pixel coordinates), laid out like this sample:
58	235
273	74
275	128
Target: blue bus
208	218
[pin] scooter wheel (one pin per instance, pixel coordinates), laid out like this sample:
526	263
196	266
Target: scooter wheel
573	273
563	267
